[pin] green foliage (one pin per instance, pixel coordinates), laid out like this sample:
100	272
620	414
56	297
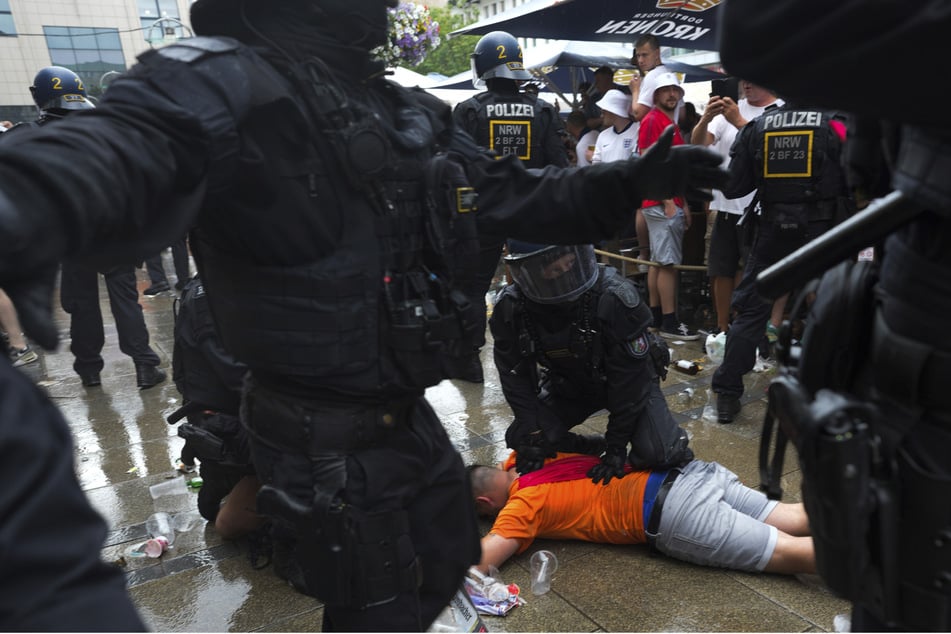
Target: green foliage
452	54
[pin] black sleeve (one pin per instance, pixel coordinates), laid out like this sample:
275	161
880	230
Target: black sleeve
50	537
550	205
123	178
791	46
517	373
628	366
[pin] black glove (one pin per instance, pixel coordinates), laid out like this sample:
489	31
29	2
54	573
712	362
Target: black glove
33	300
531	452
611	466
686	170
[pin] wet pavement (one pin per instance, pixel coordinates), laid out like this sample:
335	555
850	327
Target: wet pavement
205	584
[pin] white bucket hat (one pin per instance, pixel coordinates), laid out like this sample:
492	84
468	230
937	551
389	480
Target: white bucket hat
616	102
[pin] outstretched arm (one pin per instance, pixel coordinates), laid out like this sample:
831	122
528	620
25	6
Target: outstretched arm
496	550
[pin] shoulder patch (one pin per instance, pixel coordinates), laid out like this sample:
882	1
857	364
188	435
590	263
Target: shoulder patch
194	48
639	347
622	288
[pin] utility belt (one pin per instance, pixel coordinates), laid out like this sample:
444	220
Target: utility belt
910	372
320	428
783	213
654	508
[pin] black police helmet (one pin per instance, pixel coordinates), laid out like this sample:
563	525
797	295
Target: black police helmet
552	274
497	54
57	90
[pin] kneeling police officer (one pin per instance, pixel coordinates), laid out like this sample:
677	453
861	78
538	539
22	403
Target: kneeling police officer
585	327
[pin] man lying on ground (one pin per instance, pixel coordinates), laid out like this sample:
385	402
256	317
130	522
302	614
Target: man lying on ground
700	513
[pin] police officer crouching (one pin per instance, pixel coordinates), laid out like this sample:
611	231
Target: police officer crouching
209	380
571	338
510	122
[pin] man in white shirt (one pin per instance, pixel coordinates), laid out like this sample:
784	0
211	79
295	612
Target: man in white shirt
618	140
717	128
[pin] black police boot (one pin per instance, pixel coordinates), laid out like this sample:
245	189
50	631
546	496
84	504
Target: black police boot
155	289
217	482
470	369
148	375
728	406
90	379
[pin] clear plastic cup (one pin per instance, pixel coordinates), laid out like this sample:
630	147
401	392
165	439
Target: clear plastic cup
543	564
173	486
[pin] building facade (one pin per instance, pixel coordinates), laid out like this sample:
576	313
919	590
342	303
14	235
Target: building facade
94	38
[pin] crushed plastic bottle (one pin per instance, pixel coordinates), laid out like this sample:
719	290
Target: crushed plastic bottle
160	525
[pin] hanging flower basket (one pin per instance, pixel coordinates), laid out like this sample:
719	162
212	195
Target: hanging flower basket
412	35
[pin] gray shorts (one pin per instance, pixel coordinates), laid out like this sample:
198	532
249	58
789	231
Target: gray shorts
666	234
712	519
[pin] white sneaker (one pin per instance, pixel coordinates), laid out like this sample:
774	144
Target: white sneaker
24	356
680	331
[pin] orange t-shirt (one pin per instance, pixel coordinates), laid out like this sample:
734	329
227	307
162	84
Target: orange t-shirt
575	509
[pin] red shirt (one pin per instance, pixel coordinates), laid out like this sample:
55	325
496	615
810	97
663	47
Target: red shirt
652	125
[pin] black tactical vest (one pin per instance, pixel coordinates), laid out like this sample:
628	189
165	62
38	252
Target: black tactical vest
374	306
796	156
512	124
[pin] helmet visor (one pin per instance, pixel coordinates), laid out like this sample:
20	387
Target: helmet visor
71	101
555	274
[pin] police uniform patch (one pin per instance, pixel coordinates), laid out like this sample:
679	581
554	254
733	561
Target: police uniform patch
639	347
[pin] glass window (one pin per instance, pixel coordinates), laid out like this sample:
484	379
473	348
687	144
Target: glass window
87	51
7	27
152	10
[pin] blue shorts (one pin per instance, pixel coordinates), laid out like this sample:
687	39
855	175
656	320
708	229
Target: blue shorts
666	234
710	518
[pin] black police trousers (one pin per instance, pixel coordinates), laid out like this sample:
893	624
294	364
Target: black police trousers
747	331
52	576
156	269
79	295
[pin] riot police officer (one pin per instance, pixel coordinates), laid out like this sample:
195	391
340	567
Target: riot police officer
329	207
887	548
585	326
791	156
510	122
59	92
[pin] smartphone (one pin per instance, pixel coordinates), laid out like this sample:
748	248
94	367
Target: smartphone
729	87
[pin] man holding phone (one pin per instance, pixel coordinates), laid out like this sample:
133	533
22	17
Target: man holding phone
717	128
